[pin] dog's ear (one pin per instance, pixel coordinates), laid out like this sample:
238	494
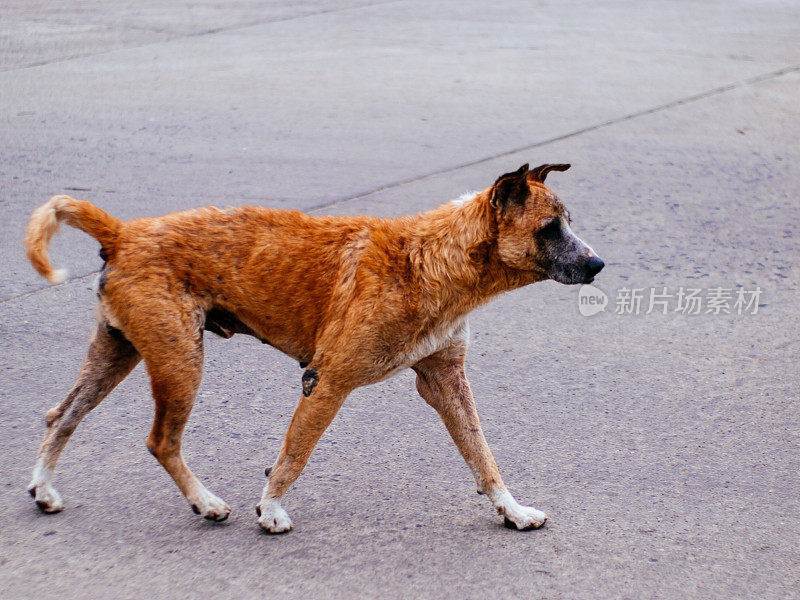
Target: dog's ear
510	188
540	172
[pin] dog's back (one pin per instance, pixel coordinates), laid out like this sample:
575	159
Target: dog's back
276	271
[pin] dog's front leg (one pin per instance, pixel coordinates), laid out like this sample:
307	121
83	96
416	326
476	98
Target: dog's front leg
442	383
317	408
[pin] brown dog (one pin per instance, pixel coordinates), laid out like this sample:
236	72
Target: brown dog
353	299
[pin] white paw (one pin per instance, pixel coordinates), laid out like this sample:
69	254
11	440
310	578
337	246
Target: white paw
522	517
272	517
515	515
211	507
46	497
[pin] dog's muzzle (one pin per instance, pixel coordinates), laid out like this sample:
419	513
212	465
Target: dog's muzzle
573	260
580	270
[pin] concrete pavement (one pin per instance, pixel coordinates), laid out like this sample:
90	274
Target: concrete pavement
663	447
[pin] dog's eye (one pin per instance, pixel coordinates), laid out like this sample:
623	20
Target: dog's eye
550	225
550	228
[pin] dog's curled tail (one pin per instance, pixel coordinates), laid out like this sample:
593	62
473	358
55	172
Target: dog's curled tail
80	214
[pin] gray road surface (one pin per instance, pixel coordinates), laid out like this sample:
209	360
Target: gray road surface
664	447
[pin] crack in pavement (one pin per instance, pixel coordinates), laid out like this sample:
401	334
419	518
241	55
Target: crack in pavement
649	111
194	34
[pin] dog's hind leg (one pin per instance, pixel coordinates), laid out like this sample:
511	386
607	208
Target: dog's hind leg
109	360
442	383
317	408
173	354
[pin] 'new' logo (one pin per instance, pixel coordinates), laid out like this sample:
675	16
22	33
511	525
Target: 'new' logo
591	300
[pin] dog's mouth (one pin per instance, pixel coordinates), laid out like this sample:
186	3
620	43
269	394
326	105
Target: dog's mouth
581	272
571	278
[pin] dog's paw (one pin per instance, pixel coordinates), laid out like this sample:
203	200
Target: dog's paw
210	507
46	497
272	517
523	517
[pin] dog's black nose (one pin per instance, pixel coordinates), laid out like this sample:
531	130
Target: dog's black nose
595	265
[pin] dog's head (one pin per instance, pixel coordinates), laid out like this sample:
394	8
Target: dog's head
534	228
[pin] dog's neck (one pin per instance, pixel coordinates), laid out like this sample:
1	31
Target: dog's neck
453	250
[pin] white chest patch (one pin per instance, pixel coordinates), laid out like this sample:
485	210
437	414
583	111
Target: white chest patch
442	336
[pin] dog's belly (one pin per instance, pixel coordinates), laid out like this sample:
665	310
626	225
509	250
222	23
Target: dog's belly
292	341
